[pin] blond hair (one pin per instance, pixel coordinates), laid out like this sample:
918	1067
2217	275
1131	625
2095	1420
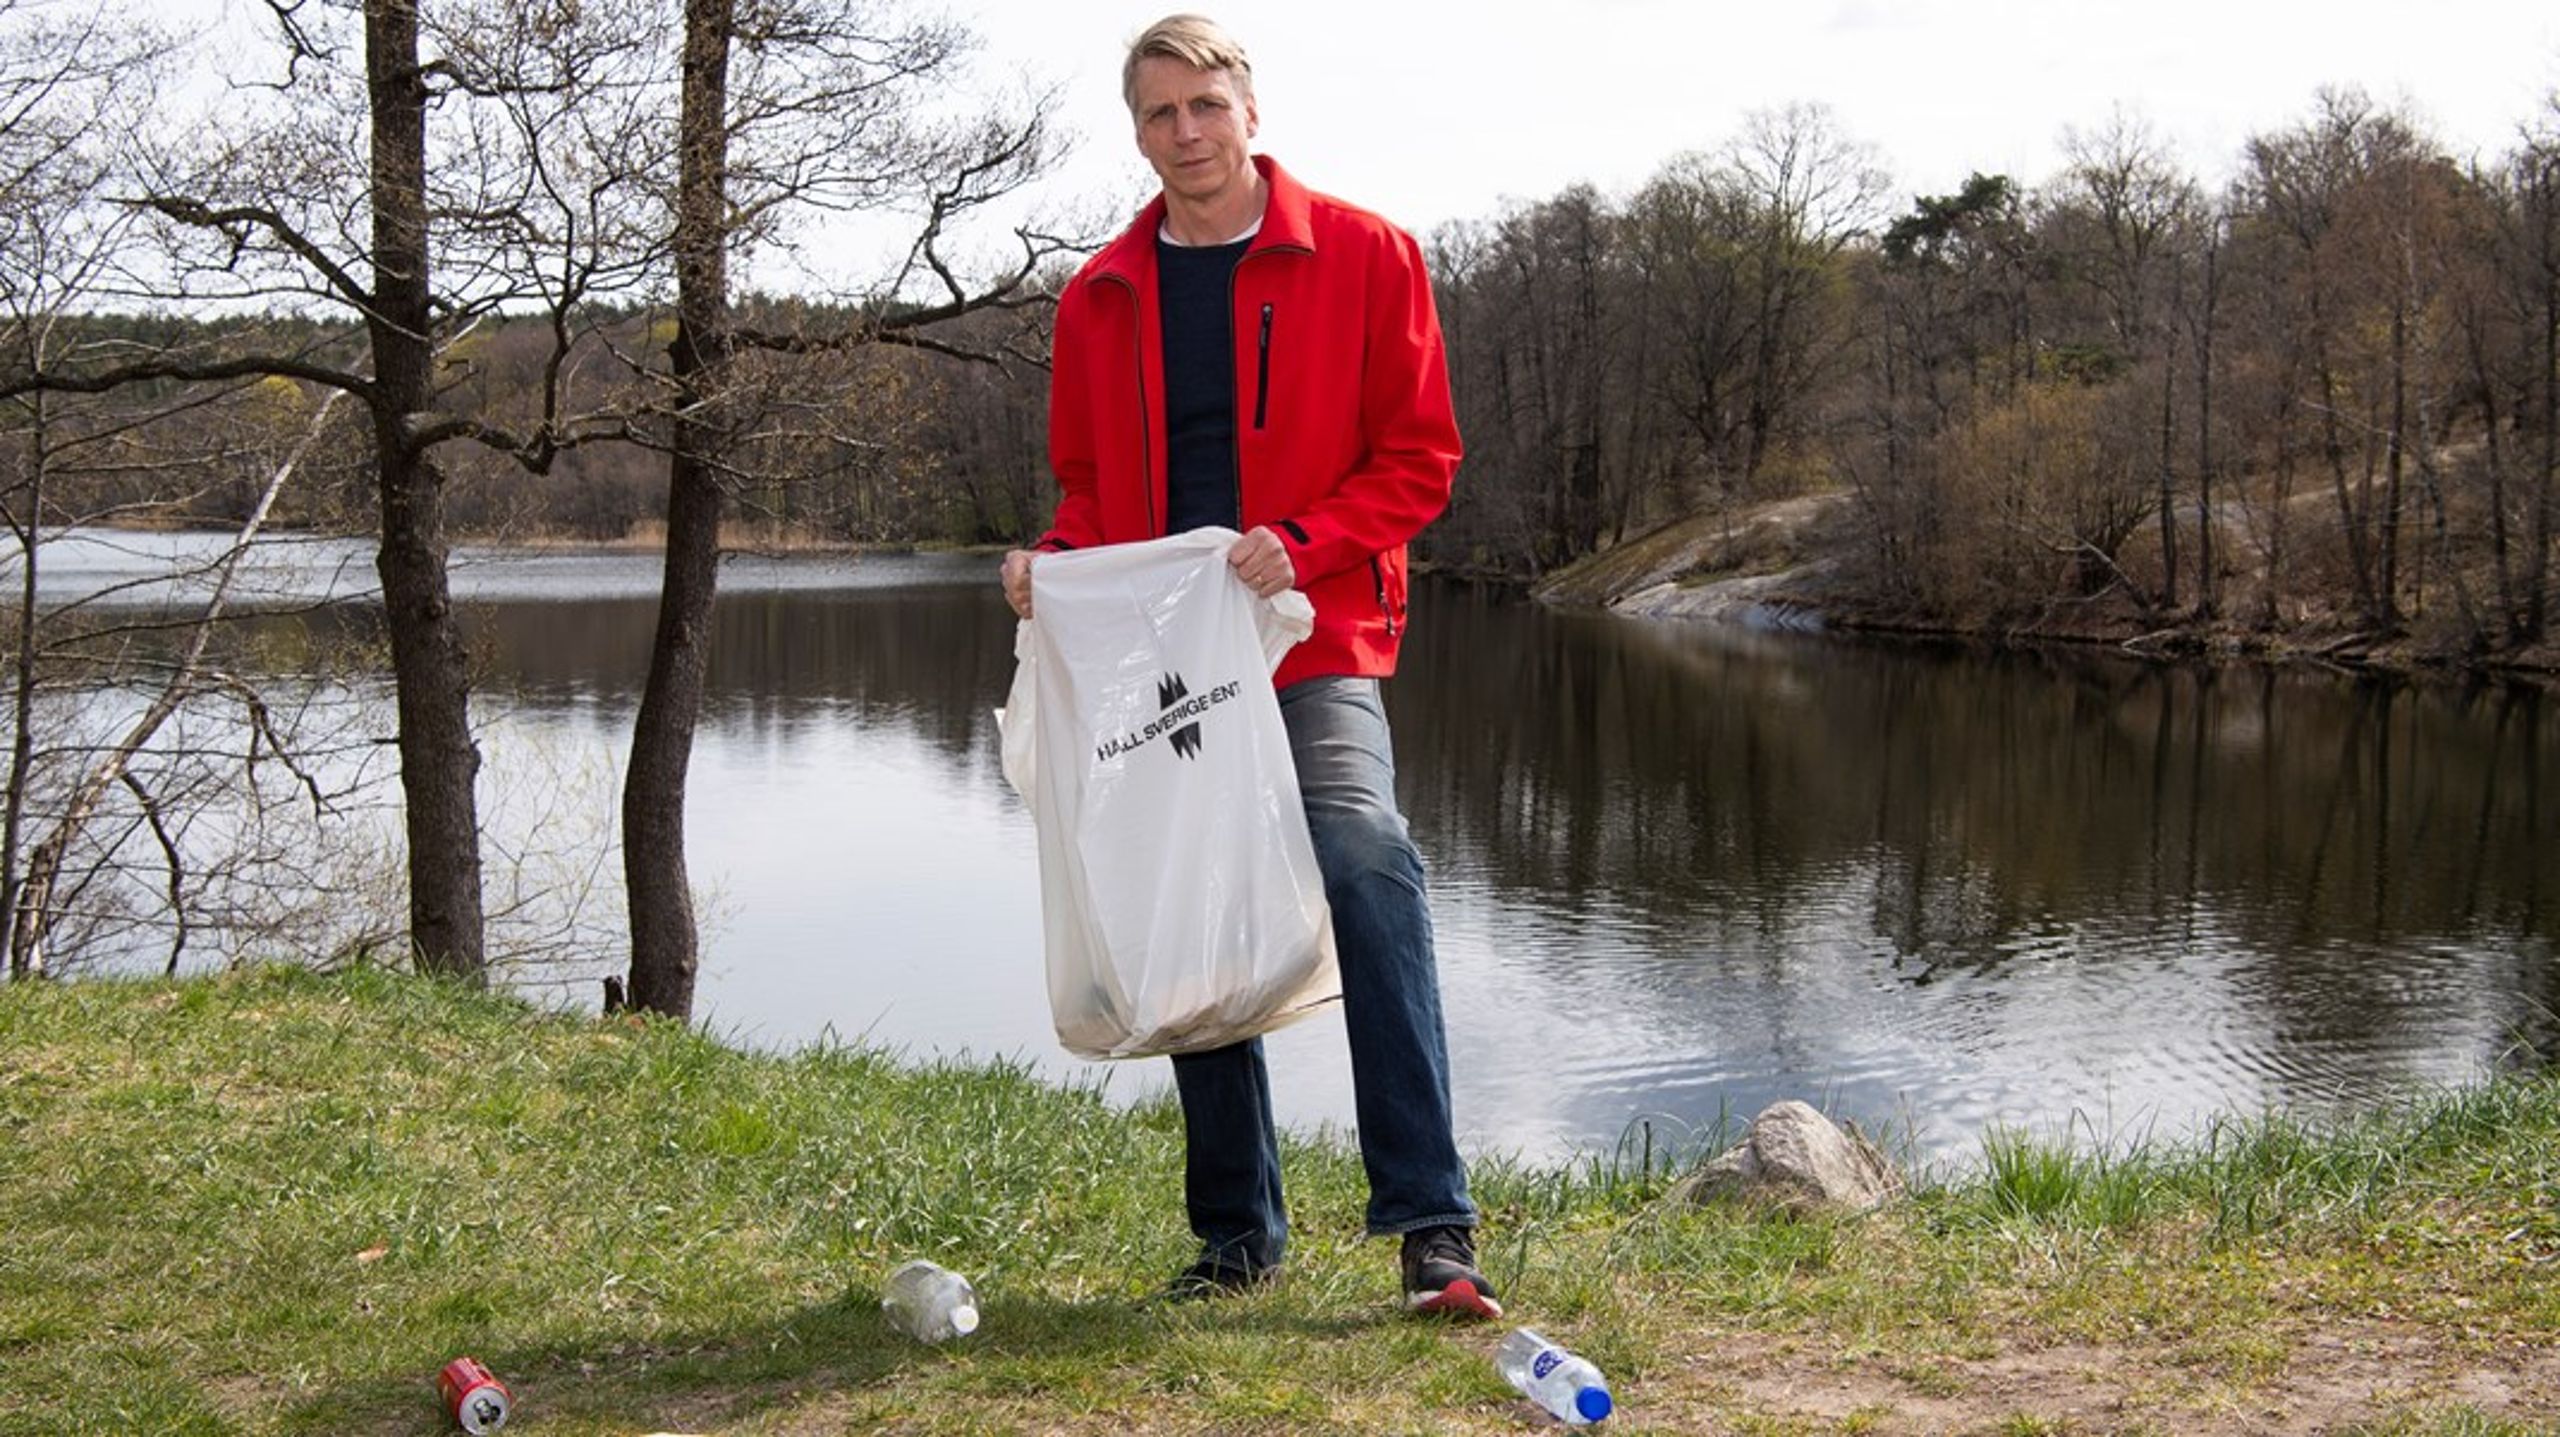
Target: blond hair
1195	40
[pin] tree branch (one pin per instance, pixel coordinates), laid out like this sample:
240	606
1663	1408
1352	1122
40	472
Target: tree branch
177	865
230	220
248	367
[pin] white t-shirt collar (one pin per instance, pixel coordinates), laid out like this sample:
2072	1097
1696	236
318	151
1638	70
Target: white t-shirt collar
1164	231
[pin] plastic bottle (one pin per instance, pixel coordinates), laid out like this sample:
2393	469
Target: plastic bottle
930	1303
1569	1387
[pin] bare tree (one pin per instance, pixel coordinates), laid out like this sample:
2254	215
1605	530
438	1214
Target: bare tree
1536	362
1689	229
1810	190
2135	215
786	107
2538	171
2349	191
1951	339
64	87
2200	309
352	181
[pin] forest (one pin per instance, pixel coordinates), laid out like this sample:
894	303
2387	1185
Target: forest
2317	402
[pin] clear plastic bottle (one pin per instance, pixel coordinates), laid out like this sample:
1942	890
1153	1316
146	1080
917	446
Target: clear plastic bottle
930	1303
1569	1387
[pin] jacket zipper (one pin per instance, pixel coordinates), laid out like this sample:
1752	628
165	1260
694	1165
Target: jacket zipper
1262	372
1378	576
1146	439
1262	379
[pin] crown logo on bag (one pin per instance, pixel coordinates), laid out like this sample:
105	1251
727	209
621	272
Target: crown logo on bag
1171	690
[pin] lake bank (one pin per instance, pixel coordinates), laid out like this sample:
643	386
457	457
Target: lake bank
1777	565
271	1201
1767	565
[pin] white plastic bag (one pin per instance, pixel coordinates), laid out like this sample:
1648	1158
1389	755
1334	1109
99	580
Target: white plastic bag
1179	894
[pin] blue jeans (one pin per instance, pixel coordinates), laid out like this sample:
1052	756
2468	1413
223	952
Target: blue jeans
1390	1008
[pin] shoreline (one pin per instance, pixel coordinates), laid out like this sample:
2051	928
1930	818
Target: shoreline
1768	568
1751	573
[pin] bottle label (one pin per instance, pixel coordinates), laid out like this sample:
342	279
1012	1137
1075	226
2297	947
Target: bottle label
1547	1360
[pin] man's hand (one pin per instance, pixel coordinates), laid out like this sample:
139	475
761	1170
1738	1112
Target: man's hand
1017	582
1262	561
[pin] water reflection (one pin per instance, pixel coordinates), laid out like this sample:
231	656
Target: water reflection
1678	872
1967	889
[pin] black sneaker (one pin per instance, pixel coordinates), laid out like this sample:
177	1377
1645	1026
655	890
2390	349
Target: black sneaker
1440	1275
1215	1275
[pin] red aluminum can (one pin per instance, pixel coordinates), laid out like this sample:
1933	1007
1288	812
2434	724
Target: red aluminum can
477	1400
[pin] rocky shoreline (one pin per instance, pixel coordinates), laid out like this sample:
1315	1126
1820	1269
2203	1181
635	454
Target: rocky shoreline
1775	566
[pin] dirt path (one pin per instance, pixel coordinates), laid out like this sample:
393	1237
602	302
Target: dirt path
2331	1381
2352	1378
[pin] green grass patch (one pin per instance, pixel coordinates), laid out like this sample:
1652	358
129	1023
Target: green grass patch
274	1202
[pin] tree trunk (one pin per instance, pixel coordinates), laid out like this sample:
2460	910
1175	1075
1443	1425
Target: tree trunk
664	954
2538	563
22	697
1760	414
2396	457
2206	599
2353	511
2279	507
2168	476
2484	379
439	764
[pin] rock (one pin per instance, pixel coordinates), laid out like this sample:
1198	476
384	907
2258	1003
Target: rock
1796	1159
1754	601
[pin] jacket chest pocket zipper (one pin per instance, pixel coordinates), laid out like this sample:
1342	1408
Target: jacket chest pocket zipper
1262	372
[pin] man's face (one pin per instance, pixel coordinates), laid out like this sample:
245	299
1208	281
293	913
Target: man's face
1192	127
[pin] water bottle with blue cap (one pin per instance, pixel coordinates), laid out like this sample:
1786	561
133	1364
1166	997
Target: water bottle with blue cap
1569	1387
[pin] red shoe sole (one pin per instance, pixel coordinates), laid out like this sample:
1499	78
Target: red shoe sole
1459	1299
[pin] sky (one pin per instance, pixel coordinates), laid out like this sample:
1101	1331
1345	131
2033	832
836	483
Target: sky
1436	110
1432	110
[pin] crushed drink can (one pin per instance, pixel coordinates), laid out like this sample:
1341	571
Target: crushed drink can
477	1400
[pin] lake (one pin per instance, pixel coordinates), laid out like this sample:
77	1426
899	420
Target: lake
1678	872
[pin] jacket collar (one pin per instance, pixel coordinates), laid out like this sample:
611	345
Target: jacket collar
1286	224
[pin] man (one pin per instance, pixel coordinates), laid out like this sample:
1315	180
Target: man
1254	355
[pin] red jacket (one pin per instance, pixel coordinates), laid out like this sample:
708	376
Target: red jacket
1345	436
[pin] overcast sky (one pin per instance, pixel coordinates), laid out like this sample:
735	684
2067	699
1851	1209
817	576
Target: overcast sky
1432	110
1429	110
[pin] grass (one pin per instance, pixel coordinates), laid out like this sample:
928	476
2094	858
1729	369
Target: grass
276	1202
